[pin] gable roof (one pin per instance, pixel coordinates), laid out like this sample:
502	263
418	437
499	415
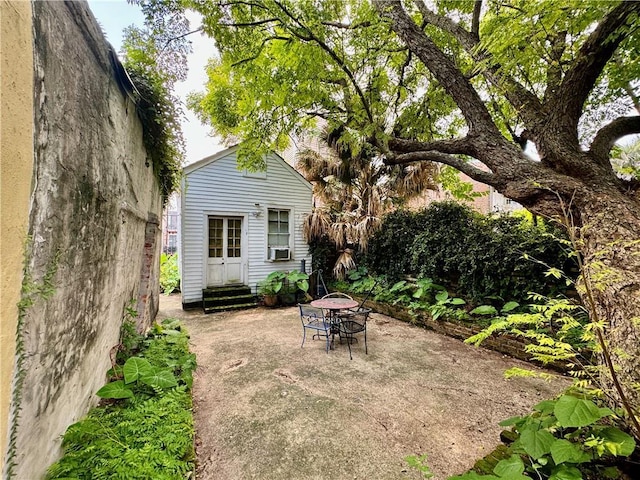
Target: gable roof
228	151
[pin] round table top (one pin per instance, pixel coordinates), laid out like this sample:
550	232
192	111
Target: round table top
334	303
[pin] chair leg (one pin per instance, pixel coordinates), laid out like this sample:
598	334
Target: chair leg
304	336
365	342
349	345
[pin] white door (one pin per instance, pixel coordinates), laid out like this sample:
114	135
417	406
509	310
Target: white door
224	258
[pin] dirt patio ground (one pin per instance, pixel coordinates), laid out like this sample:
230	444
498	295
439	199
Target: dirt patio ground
267	409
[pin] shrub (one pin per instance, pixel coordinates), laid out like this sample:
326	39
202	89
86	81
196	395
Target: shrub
169	273
503	257
390	249
323	254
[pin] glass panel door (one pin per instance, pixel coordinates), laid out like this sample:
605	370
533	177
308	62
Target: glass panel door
216	238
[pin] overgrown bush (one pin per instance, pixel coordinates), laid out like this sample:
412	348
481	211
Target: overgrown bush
145	427
169	273
390	249
473	255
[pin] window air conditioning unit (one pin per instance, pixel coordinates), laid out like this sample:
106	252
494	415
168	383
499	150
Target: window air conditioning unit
277	253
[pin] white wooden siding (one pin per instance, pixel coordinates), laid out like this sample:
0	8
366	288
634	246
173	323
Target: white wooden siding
218	187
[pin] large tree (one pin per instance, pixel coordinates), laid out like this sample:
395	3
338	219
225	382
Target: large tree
448	81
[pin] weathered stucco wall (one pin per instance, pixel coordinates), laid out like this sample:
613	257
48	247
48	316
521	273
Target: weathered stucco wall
93	226
16	166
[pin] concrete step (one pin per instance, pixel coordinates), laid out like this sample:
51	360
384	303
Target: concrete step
224	308
228	300
226	291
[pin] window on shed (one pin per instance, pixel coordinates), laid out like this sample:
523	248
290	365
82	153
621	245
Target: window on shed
278	228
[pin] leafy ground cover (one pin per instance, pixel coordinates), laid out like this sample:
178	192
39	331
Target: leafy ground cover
568	438
540	320
144	427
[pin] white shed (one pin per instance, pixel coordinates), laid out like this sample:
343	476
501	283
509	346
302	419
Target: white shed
239	226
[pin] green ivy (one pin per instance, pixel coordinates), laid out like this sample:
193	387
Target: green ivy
154	71
31	291
162	135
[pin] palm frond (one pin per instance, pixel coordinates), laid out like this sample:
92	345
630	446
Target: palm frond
366	228
316	224
344	264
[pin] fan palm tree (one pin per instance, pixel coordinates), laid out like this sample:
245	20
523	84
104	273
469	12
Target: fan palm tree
352	190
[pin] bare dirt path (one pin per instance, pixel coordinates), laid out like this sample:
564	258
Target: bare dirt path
267	409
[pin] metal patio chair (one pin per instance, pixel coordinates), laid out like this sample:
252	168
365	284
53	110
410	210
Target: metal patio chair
354	323
313	319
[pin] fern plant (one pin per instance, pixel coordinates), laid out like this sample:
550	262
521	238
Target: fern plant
146	428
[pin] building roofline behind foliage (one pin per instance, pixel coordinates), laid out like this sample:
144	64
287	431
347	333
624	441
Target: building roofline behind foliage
227	151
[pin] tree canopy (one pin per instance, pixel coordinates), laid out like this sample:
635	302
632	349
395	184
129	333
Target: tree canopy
438	82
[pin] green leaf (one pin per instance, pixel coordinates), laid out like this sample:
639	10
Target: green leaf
565	472
536	442
442	296
618	442
473	476
553	272
565	451
511	421
509	306
576	412
606	412
136	367
545	406
457	301
484	310
187	377
509	467
116	390
162	378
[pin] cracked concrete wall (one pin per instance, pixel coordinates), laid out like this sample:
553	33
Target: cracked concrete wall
93	227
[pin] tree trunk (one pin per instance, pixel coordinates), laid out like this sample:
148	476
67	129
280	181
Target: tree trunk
610	237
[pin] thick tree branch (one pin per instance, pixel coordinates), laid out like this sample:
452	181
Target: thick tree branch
589	63
441	66
464	166
475	20
554	71
466	39
608	135
456	146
